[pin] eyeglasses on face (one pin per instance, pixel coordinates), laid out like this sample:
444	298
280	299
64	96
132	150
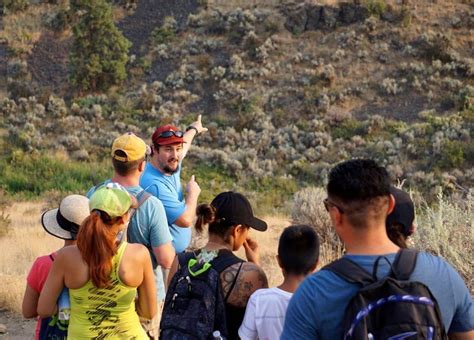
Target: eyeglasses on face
170	133
328	204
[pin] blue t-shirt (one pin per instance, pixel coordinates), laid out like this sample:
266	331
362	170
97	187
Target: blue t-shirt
149	227
168	190
317	307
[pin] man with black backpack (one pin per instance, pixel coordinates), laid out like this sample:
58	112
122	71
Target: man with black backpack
148	224
376	291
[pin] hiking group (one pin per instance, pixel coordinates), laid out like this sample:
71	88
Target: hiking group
126	270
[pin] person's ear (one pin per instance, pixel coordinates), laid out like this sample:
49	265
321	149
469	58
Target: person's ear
313	268
239	229
391	204
278	260
141	166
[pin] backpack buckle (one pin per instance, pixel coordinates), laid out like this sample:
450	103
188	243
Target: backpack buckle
193	262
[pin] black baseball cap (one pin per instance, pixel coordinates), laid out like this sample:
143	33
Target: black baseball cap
404	211
233	208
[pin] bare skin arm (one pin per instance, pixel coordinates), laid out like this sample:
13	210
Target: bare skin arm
164	255
146	305
186	219
30	303
469	335
190	134
173	270
250	278
52	287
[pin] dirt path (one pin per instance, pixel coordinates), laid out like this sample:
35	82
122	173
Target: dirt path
17	328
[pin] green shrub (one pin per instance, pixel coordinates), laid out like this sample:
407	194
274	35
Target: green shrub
99	53
452	155
30	175
15	5
4	217
376	7
211	179
446	229
348	129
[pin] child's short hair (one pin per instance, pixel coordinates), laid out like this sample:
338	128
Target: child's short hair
298	249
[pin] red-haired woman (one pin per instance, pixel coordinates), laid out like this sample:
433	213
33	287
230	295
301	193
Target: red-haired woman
103	274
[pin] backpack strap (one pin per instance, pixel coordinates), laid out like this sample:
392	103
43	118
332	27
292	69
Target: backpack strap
404	264
141	197
350	271
183	259
225	259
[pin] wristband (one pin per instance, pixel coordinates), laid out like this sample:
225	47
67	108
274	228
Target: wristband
192	128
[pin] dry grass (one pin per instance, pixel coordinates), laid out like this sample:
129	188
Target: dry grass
28	240
25	241
22	29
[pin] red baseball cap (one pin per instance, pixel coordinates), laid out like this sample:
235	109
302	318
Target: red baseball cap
175	136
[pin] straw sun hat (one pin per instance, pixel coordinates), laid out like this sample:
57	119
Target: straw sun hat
64	221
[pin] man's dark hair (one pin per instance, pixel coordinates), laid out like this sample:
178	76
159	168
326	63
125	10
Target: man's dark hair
298	249
359	184
358	180
124	168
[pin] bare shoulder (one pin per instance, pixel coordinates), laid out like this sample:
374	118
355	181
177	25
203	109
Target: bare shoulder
250	278
67	254
138	250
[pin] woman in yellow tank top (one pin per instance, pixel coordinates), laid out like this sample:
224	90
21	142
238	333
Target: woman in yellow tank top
103	274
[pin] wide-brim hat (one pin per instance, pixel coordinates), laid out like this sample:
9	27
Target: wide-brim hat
234	208
156	139
64	222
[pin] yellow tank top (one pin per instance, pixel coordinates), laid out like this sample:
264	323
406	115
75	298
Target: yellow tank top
98	313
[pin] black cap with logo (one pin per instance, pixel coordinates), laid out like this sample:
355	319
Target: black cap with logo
233	208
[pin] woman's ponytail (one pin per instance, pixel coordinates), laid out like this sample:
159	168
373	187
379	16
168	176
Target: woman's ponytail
206	214
96	242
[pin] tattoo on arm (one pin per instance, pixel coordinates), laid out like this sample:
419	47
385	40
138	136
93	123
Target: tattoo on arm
228	278
251	278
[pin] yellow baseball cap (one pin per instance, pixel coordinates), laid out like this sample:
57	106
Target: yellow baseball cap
132	146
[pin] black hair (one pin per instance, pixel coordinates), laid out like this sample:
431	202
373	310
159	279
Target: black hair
396	235
358	180
298	249
125	168
206	214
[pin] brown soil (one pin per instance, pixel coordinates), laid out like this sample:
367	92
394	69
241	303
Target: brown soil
17	327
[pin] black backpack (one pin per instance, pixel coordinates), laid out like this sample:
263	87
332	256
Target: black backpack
390	308
195	306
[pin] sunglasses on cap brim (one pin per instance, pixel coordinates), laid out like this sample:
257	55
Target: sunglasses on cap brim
171	133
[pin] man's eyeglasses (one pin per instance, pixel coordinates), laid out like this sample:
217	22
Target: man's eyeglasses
170	133
328	204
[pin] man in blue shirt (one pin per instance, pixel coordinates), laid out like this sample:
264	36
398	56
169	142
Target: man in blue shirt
358	203
148	225
161	178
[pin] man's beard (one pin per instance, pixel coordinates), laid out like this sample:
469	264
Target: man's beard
168	170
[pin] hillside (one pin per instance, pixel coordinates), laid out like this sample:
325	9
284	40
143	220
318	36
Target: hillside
286	92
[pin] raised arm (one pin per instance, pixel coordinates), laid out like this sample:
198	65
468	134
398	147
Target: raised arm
193	129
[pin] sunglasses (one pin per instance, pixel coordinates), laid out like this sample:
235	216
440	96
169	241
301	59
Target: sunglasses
328	204
170	133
